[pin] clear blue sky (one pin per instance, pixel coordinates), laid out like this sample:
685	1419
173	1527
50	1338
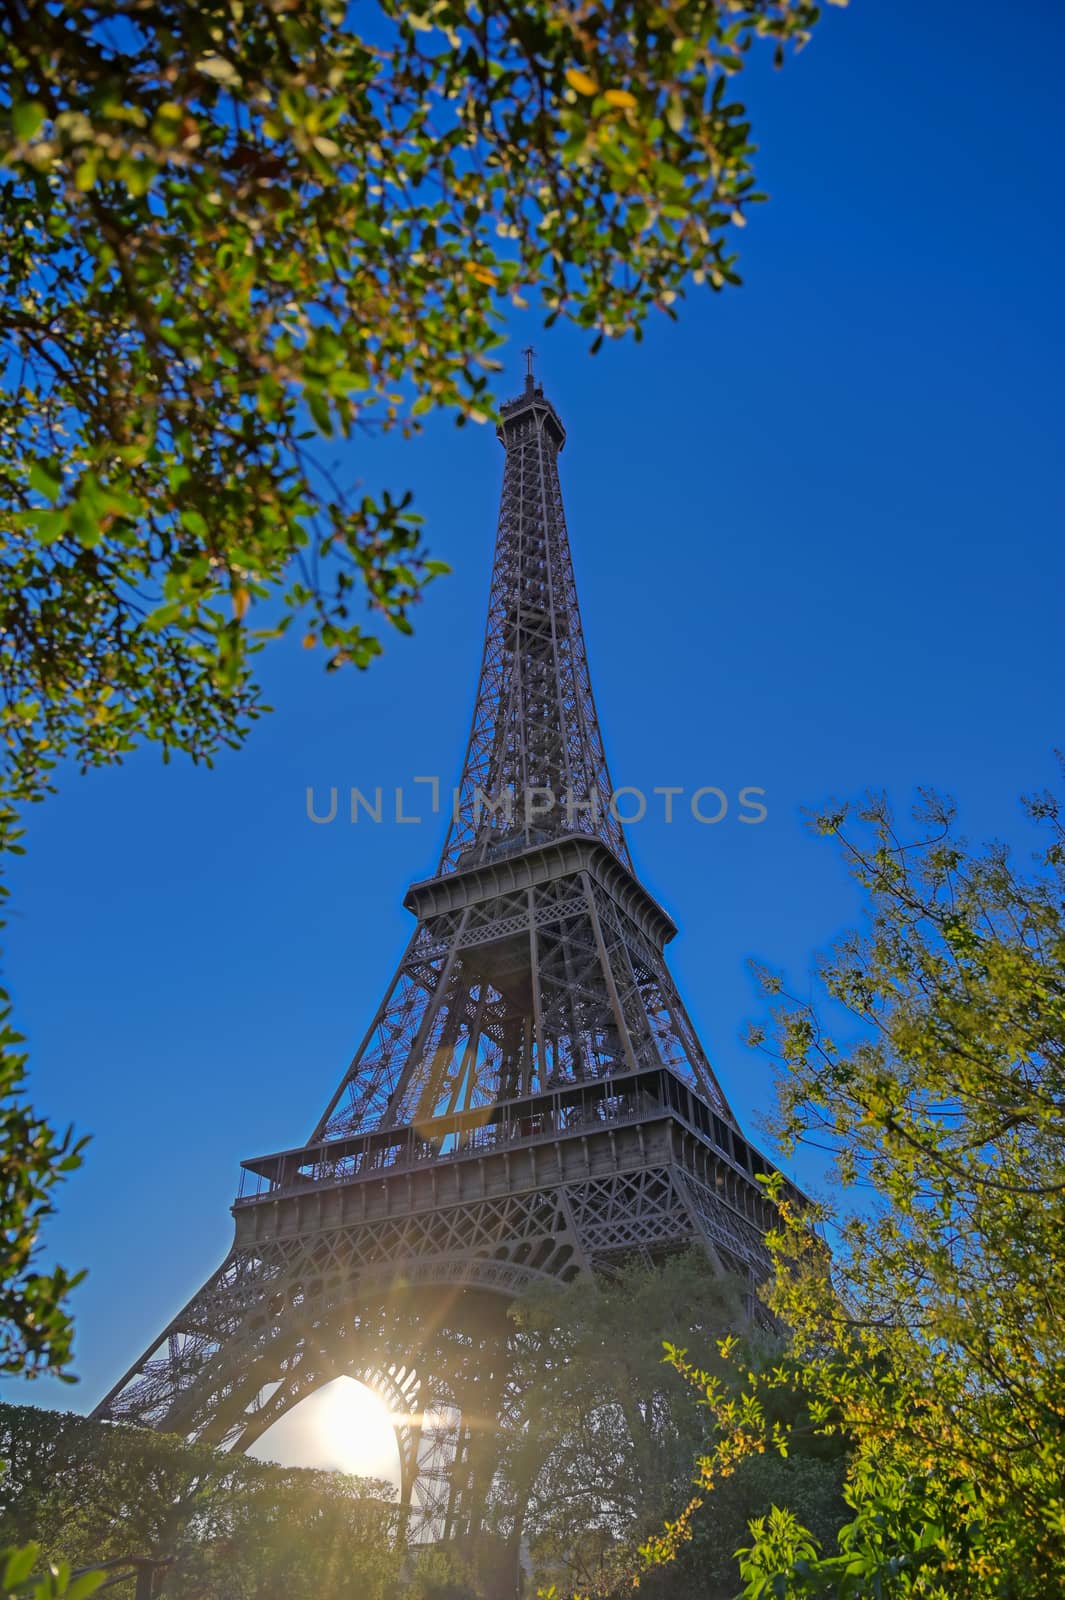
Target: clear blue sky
818	534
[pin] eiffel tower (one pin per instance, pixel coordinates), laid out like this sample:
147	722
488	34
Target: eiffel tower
529	1103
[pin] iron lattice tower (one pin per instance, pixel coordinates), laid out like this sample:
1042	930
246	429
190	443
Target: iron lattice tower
530	1101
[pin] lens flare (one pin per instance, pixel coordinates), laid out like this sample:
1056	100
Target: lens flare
342	1427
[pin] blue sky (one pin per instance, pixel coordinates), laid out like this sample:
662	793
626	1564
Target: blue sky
817	527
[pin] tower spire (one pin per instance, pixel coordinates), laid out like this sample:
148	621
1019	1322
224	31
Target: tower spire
535	767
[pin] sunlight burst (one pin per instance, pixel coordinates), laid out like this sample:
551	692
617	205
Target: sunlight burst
342	1427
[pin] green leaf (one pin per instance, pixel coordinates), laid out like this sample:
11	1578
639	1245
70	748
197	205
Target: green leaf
51	525
318	407
26	117
85	1584
18	1563
42	477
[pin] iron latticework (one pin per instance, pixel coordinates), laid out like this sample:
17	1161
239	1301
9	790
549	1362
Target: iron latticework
530	1101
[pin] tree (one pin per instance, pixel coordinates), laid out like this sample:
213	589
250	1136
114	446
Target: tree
439	1573
35	1328
228	229
35	1332
808	1479
934	1335
605	1433
228	1525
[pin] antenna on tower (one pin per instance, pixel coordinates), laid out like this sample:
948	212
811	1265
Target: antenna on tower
528	353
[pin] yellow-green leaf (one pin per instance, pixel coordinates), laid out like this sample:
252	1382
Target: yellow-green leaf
26	118
219	68
581	81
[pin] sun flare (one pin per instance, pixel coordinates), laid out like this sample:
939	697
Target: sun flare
342	1427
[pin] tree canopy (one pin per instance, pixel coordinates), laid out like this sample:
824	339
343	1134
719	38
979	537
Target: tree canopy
86	1491
228	230
604	1434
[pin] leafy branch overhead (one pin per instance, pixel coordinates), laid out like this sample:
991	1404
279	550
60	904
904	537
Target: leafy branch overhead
227	231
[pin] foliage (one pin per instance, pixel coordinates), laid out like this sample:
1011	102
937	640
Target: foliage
765	1447
439	1573
228	230
20	1577
607	1433
230	1525
934	1338
35	1332
807	1480
35	1329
